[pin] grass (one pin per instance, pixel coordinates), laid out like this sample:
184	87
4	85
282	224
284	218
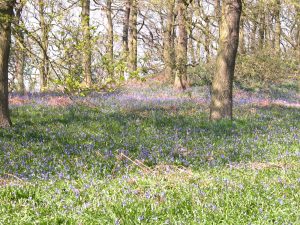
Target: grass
149	158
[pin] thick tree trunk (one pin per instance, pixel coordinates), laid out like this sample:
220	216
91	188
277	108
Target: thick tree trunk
20	53
110	36
44	66
87	52
169	57
132	63
181	78
6	14
221	103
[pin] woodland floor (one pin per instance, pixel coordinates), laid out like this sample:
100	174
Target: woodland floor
149	155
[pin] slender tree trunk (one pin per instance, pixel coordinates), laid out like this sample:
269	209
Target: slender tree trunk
169	56
87	52
126	28
253	36
218	14
132	64
277	26
44	66
262	25
6	14
192	49
207	39
221	103
297	38
181	78
242	49
20	53
110	36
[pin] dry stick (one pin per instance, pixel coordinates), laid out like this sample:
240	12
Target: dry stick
138	163
11	175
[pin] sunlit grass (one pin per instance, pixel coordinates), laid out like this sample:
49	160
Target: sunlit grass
125	159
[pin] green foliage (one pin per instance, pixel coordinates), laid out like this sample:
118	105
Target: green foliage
264	68
259	70
201	74
71	84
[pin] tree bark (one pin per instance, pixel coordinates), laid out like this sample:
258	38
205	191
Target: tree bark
126	28
132	63
181	78
221	103
110	37
20	53
253	35
87	52
297	36
44	66
218	14
242	49
169	56
262	25
277	26
207	39
6	14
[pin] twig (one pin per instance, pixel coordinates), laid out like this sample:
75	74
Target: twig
11	175
137	163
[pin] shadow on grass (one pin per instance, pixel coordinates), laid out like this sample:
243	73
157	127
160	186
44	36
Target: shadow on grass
161	118
80	132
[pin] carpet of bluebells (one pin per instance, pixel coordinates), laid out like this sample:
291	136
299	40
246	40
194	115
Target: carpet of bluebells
149	155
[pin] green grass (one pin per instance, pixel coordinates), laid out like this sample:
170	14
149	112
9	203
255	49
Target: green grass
149	163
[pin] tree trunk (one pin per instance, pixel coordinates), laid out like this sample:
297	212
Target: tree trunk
6	14
44	66
221	103
126	28
181	79
20	53
192	49
169	42
218	14
277	26
207	39
87	53
242	49
262	25
110	37
253	35
132	63
297	38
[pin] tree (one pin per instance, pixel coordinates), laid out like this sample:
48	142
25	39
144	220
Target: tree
6	14
19	49
126	28
277	25
169	41
221	103
87	52
45	64
181	78
110	36
262	23
132	63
